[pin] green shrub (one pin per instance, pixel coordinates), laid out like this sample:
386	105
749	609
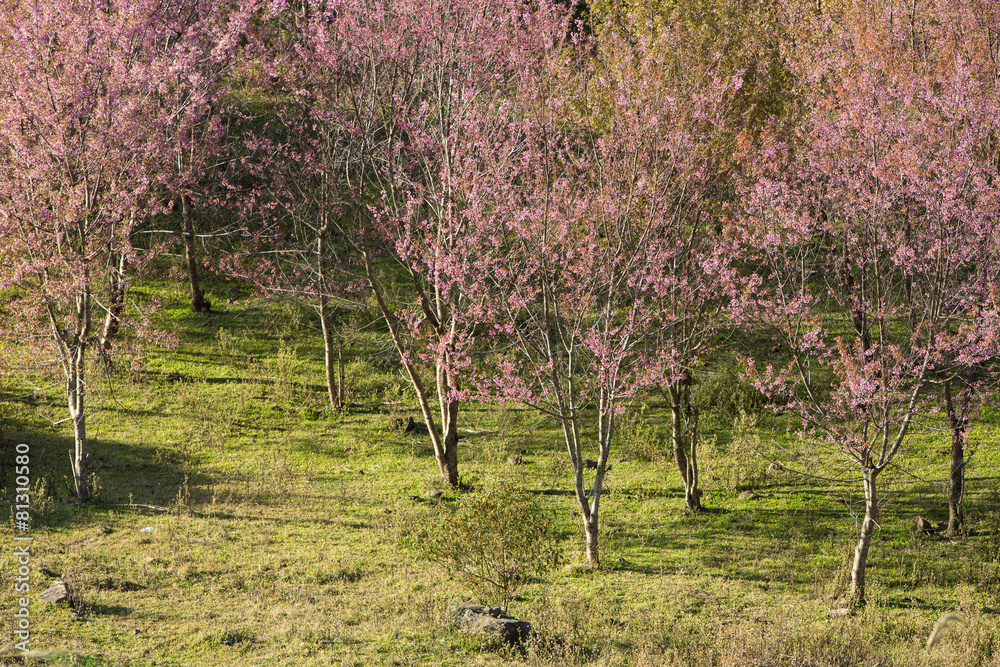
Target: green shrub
496	540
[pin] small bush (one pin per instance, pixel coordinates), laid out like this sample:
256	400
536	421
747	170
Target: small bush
496	541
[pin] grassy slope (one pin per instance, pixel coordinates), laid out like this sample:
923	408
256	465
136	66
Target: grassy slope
282	546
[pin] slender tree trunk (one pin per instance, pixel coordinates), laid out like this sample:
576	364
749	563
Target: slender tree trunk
591	525
677	433
448	455
589	510
592	530
684	437
692	494
448	475
958	424
330	361
116	306
865	538
198	302
76	398
73	357
343	385
326	319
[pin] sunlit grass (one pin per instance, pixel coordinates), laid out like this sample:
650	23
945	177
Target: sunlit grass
283	539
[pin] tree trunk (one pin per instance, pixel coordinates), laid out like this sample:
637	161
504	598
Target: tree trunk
449	465
447	454
692	494
447	459
592	510
198	302
343	384
684	437
592	529
589	511
956	490
958	424
677	436
865	538
330	360
116	306
76	395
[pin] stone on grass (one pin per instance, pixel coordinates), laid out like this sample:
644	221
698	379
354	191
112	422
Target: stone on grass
57	593
398	423
491	621
514	459
920	523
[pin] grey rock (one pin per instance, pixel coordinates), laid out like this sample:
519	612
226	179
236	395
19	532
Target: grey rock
922	524
57	593
397	423
491	621
514	459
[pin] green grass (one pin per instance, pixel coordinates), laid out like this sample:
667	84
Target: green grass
284	543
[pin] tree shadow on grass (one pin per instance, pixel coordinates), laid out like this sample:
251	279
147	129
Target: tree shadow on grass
124	473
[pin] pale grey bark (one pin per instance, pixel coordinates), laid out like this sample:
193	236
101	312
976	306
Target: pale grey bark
73	358
868	524
331	359
445	441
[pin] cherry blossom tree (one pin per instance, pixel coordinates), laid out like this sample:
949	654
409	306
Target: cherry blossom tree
465	59
304	136
198	83
373	113
875	235
83	164
685	83
598	263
